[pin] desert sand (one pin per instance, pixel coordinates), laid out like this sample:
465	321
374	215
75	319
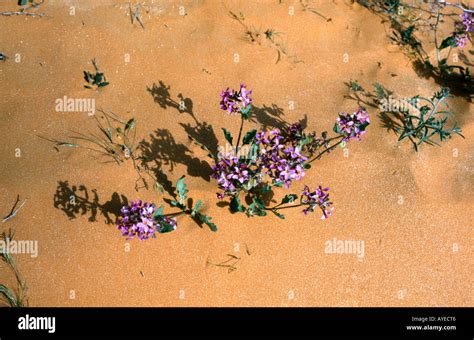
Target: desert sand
412	210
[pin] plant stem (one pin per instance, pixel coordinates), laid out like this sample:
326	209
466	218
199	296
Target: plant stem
436	36
240	134
179	213
326	150
459	6
285	207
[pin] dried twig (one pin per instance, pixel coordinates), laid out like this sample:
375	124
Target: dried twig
135	14
229	263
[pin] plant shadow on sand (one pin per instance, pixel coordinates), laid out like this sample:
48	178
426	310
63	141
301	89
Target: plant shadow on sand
391	121
162	150
202	132
458	85
78	200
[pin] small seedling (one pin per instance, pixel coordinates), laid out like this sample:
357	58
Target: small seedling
418	118
115	141
253	35
429	122
18	297
95	80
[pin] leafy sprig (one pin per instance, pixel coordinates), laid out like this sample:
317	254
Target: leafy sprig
187	207
96	79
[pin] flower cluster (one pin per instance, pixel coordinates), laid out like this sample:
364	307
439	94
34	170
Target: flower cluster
318	198
234	101
277	156
231	173
138	220
461	36
308	142
280	157
352	126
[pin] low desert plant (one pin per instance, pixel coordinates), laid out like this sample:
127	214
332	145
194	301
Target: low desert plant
261	160
419	119
115	141
18	297
144	220
406	18
95	80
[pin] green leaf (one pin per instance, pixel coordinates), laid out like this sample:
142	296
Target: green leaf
196	208
104	84
278	214
98	78
249	136
182	189
259	202
22	2
158	212
130	124
448	42
278	184
228	136
207	220
9	295
235	205
87	77
245	112
306	166
166	227
289	198
406	134
71	145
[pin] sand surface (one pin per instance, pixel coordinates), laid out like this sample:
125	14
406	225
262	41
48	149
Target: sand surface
412	210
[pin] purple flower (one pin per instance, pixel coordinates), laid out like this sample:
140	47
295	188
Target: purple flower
279	157
233	101
232	174
352	126
137	220
308	142
463	28
318	198
461	40
467	21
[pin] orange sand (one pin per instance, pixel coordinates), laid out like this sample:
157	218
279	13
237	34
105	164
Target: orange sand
409	258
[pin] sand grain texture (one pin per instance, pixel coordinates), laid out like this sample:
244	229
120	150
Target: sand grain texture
409	258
